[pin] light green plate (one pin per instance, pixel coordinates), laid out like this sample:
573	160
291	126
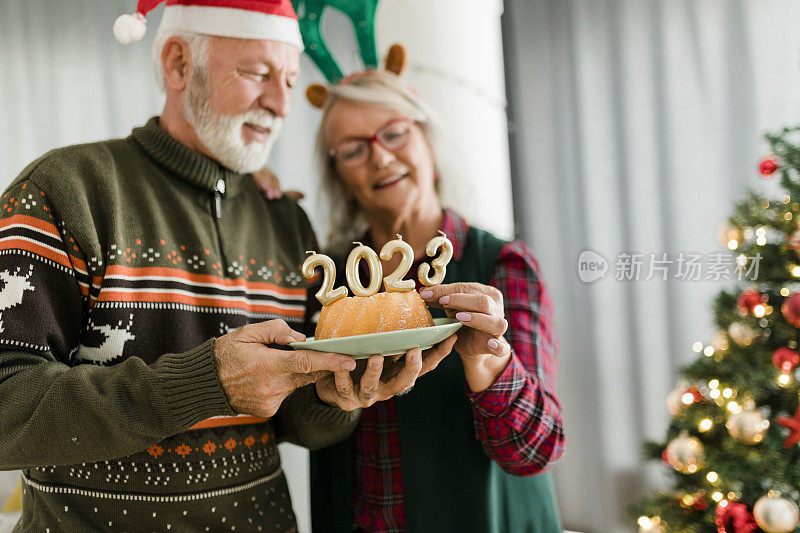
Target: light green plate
389	343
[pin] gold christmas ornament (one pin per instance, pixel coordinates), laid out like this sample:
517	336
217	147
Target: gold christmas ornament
742	334
720	342
748	427
776	514
685	454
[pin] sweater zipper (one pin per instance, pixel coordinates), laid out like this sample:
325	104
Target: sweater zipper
219	190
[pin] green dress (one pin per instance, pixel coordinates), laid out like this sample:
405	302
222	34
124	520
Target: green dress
449	484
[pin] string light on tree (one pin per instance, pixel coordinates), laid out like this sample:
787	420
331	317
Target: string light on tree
785	360
731	236
651	525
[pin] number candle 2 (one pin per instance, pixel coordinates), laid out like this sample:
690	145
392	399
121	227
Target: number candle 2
394	282
375	270
326	295
439	264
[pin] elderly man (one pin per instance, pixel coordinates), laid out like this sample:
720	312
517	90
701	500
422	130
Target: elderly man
122	260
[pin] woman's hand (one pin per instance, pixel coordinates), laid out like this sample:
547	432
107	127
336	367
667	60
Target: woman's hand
268	184
340	389
483	350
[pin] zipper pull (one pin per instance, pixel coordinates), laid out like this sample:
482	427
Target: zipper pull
218	192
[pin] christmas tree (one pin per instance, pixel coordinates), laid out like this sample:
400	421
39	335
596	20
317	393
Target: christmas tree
732	442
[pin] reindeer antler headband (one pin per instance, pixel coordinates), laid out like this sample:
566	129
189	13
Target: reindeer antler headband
317	93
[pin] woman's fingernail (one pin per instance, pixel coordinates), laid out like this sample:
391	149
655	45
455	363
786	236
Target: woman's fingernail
493	344
444	300
416	357
348	365
463	317
426	294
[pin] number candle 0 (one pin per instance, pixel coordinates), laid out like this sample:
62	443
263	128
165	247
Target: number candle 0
439	264
375	270
326	295
394	282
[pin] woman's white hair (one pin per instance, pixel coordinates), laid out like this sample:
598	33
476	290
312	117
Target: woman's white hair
386	91
198	48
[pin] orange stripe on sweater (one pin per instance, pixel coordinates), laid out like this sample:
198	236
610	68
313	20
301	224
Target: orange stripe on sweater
134	272
26	220
110	295
19	244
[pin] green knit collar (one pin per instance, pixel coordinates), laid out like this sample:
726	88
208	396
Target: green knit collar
180	160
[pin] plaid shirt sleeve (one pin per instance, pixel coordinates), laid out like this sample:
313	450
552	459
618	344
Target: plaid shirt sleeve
518	420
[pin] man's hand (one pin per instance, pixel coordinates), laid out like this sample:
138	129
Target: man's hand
270	186
340	390
256	378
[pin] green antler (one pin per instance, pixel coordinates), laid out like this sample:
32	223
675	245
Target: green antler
360	12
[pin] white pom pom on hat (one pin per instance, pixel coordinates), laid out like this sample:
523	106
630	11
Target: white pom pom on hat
273	20
129	28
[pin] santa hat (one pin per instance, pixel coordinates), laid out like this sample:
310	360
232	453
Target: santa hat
274	20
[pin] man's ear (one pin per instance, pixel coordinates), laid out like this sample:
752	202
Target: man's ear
176	63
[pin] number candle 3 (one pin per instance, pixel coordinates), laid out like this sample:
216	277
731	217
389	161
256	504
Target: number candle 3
439	263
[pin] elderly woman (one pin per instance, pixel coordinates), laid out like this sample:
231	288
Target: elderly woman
466	449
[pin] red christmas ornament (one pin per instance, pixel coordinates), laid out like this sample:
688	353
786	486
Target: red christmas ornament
785	359
700	504
793	423
695	392
734	518
768	166
794	242
747	300
664	459
791	309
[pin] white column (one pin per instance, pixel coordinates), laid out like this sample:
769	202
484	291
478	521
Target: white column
455	61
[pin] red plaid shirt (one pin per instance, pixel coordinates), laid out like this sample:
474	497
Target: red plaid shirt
518	420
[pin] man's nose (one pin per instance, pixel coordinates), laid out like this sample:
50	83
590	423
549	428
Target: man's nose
380	156
277	98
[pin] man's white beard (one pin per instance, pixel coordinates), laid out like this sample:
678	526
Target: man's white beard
222	134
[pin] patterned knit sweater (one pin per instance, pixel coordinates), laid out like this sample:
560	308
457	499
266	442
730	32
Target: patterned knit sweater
120	261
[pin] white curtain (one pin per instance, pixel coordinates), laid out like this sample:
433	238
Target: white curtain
636	125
